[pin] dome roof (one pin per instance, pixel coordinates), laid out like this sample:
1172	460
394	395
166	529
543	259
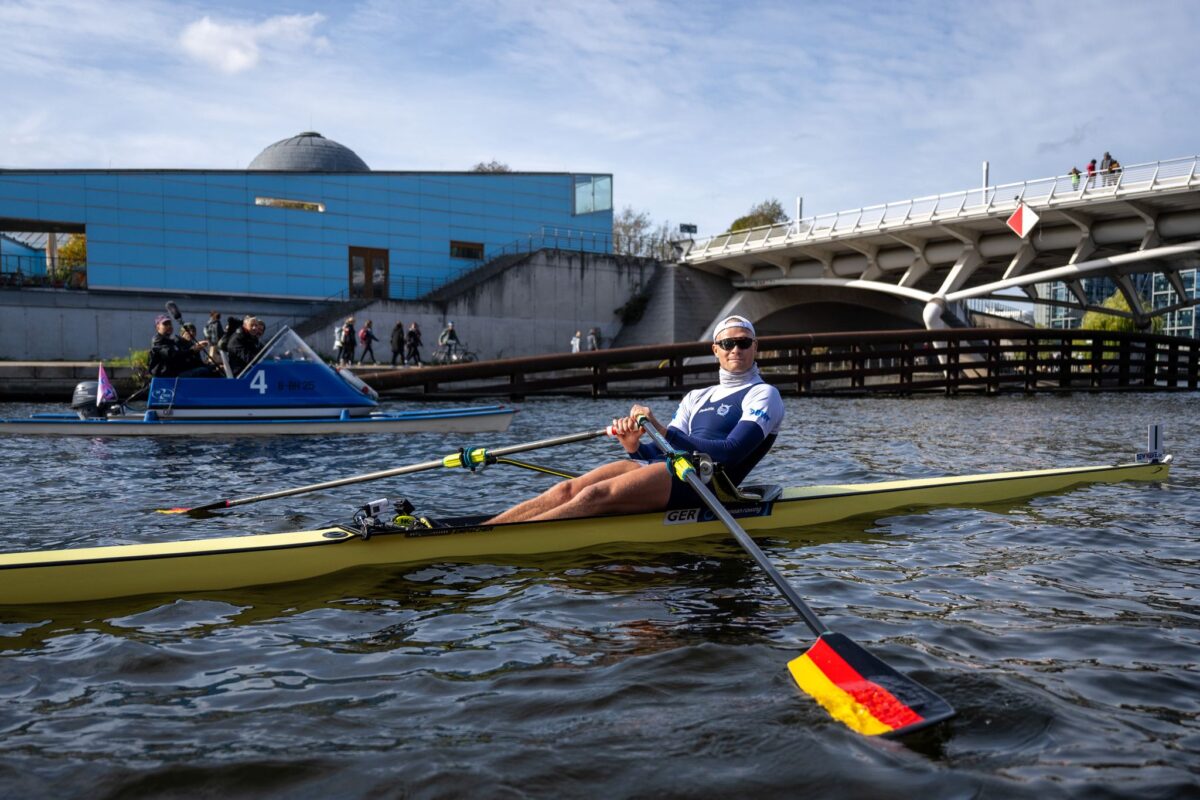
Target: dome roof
309	152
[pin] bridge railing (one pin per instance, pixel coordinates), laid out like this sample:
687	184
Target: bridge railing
979	360
1132	180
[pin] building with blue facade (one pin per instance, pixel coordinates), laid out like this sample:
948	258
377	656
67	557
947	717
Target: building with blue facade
307	220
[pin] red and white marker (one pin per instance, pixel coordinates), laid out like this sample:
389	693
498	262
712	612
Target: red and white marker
1022	220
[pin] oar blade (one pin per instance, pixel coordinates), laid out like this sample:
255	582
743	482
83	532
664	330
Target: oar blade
867	695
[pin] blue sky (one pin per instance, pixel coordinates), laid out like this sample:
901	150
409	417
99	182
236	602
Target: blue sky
699	109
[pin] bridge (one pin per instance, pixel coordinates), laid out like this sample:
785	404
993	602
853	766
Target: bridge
918	261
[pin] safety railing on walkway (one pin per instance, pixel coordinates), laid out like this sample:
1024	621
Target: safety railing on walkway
979	360
29	272
1132	181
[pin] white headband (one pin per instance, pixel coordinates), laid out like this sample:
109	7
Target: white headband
733	322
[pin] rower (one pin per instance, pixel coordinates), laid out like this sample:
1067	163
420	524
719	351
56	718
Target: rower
734	423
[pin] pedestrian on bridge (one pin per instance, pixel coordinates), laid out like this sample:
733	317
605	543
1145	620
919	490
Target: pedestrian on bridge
1091	173
1074	173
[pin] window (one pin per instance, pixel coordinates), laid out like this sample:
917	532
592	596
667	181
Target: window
593	193
298	205
471	250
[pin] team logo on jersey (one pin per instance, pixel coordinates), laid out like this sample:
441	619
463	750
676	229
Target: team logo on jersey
761	413
723	409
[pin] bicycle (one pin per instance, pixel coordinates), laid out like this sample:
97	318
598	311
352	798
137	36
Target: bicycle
452	353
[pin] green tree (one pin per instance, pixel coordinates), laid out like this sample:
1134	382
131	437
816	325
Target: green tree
491	166
768	212
1099	321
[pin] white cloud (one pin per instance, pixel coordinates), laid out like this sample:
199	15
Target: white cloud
233	47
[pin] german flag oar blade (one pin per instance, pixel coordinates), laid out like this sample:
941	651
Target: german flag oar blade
858	689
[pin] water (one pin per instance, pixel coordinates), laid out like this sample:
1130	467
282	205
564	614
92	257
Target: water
1064	629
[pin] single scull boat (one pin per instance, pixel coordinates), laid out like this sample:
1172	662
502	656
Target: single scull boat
94	573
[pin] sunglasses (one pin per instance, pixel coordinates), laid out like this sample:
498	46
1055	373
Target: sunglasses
741	343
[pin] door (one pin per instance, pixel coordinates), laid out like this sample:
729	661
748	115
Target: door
368	273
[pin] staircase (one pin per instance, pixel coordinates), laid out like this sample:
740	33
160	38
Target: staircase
475	276
330	316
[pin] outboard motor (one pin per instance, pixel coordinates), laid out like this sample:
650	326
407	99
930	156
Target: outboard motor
83	401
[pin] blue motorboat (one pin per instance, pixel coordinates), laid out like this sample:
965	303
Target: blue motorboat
287	388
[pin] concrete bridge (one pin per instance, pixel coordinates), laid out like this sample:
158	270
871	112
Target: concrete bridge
917	261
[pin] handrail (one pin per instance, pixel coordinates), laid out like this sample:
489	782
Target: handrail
968	203
990	360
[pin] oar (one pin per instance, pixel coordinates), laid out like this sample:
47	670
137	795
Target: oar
855	687
478	455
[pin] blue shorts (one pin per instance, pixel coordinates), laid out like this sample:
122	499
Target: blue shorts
683	496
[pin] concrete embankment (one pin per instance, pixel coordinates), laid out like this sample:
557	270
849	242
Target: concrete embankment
35	381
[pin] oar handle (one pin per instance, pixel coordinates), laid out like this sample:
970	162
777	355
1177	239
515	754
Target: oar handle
682	467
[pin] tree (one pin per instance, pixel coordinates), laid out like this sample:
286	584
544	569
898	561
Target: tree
635	234
72	257
491	166
1099	321
768	212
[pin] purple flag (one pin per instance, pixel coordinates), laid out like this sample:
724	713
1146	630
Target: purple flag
105	393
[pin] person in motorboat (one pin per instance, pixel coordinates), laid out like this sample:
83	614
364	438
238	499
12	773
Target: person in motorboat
244	344
192	363
734	422
170	356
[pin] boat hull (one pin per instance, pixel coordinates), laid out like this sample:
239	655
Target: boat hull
232	562
490	419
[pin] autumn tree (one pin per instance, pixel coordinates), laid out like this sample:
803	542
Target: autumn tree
768	212
72	256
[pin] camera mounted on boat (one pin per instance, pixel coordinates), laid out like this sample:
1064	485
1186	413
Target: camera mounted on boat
374	516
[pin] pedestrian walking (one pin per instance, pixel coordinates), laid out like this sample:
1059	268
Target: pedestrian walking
1075	173
1106	167
412	341
367	338
397	343
575	340
345	342
593	339
1091	174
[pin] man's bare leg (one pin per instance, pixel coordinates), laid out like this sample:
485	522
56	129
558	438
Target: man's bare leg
561	493
647	488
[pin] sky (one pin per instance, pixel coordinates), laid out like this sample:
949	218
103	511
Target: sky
699	109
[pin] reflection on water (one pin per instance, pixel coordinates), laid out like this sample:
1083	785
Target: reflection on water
1064	628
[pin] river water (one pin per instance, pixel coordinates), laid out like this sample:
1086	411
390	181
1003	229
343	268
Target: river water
1065	629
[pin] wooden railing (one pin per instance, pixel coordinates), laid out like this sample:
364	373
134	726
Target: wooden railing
979	360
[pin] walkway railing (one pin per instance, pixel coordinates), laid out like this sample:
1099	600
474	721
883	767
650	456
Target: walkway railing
1139	179
29	272
979	360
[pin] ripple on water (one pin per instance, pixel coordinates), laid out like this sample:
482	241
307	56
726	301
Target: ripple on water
1064	628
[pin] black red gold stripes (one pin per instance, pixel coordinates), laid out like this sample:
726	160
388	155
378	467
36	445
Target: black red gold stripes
852	686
